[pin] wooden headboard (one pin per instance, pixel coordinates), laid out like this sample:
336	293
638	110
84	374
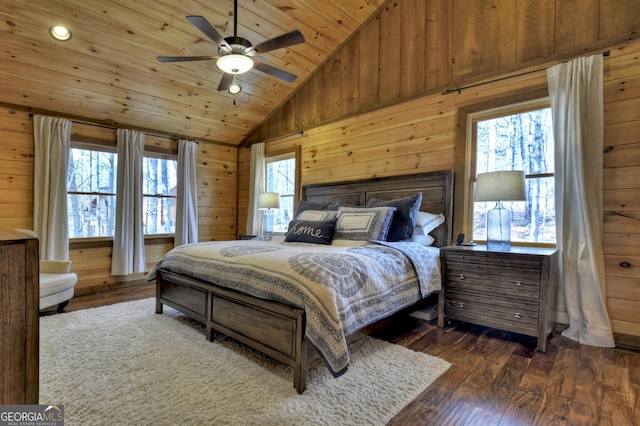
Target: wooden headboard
436	188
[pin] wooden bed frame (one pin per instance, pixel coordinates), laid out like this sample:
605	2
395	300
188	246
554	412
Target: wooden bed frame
276	329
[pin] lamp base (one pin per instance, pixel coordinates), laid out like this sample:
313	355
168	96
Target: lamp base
499	228
267	225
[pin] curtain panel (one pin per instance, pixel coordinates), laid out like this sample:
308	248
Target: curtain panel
52	140
576	92
128	240
187	198
257	186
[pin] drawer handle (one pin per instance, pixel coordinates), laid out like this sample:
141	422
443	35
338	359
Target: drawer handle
461	305
519	283
461	276
517	315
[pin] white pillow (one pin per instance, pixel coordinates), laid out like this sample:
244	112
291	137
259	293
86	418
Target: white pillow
425	240
429	221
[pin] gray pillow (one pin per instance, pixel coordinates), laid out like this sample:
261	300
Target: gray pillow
404	219
363	223
310	231
314	205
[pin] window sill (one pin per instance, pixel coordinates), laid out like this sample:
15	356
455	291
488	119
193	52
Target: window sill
98	242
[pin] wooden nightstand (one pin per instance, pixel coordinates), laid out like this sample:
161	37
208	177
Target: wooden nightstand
511	290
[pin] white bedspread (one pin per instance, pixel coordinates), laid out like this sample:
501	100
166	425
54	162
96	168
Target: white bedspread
342	287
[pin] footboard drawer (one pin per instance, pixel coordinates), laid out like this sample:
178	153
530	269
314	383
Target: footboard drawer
191	301
263	326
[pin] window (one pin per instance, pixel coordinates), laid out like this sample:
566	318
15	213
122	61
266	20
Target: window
91	192
281	177
159	191
518	137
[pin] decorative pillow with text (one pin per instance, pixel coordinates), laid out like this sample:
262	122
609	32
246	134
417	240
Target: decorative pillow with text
310	231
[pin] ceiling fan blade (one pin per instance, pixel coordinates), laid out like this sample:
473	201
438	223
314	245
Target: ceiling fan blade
225	81
284	40
203	25
275	72
185	58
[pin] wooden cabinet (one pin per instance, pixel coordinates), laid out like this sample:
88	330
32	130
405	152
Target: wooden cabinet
510	290
19	296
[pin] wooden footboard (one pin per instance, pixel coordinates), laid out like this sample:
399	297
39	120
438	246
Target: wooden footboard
275	329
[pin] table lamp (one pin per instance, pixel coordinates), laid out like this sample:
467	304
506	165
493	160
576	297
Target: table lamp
499	186
268	201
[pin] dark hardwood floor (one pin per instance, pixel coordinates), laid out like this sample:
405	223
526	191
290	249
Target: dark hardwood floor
497	378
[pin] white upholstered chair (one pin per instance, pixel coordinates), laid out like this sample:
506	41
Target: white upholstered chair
57	282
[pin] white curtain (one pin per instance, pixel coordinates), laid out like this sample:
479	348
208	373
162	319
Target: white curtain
257	186
52	139
128	240
577	108
187	197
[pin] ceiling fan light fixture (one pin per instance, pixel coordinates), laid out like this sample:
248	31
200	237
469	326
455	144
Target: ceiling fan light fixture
234	88
234	63
60	32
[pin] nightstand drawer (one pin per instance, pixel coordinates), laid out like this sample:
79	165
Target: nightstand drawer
506	314
504	281
493	260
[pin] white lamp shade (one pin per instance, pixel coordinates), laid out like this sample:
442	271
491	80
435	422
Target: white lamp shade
500	186
269	200
234	63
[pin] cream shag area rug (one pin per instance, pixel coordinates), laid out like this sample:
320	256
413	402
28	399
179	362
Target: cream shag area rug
125	365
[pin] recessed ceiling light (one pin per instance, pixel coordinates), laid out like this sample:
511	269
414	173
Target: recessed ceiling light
60	32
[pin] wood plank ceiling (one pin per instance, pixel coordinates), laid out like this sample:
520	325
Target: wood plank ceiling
108	71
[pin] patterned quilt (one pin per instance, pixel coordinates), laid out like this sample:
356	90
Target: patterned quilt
342	287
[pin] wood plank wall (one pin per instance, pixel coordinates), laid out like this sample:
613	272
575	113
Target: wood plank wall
453	43
415	47
217	194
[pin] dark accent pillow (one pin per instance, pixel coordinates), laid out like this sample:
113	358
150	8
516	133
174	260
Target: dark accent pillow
310	231
404	219
314	205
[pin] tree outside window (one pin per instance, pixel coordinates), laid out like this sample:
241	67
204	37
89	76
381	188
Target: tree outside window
160	192
281	178
91	193
518	139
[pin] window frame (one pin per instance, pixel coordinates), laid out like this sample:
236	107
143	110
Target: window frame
471	159
286	154
90	144
167	150
162	156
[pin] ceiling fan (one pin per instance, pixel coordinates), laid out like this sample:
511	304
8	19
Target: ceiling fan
235	54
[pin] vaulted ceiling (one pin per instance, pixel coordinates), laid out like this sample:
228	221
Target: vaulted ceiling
108	71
